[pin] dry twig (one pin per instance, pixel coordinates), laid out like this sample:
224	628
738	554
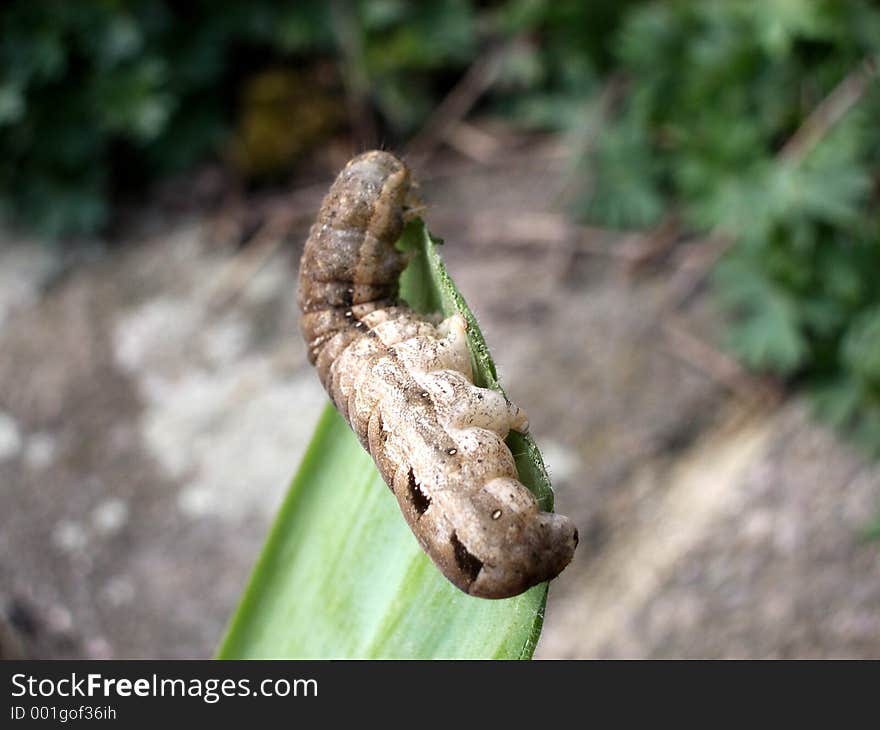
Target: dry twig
459	101
717	365
829	112
280	216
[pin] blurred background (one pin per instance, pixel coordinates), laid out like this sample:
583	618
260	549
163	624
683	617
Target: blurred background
665	215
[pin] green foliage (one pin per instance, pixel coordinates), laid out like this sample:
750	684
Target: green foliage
873	531
87	85
550	76
100	95
408	47
716	88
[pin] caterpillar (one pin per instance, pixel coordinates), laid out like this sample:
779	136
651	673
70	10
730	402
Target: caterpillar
405	385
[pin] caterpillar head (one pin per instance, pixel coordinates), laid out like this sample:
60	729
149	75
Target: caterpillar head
509	545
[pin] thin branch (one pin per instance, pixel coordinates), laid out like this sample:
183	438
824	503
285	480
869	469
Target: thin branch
719	366
697	265
280	216
829	112
583	139
459	101
473	142
648	248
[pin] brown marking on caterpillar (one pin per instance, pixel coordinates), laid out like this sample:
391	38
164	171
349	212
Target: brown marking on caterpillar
404	383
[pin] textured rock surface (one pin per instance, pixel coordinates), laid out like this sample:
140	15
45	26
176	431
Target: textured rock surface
141	415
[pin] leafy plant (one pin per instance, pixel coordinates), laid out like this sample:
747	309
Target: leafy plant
716	90
88	88
341	575
100	96
873	530
550	78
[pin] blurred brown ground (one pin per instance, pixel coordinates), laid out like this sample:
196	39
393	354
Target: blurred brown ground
157	395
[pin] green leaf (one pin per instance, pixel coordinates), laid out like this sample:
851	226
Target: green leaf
341	575
872	531
861	346
767	335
